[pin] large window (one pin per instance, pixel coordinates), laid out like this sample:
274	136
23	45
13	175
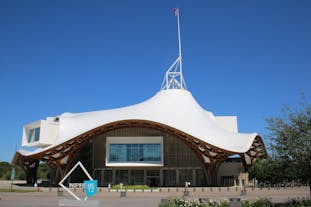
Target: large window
33	135
134	152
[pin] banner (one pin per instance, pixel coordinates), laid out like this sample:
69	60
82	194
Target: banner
90	187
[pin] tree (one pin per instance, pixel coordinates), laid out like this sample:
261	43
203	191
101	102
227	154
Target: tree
5	167
259	170
43	171
291	141
272	170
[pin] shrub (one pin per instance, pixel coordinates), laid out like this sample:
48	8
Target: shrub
267	203
194	203
257	203
136	187
7	175
20	175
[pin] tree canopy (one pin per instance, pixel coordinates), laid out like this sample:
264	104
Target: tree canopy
6	168
291	141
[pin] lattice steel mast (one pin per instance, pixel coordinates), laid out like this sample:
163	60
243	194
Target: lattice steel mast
174	78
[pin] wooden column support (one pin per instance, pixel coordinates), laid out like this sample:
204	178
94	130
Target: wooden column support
63	156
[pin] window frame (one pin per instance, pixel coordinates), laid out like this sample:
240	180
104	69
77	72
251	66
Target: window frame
158	140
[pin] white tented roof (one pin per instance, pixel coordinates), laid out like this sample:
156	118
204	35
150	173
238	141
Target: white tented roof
174	107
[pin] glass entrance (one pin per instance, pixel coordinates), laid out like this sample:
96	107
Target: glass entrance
153	178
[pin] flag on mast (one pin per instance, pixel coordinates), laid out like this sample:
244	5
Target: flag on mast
175	11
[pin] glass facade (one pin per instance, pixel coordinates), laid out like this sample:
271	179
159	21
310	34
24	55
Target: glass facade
137	177
153	178
176	163
33	135
122	176
169	178
134	153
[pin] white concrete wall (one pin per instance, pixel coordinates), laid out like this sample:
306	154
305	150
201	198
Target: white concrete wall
48	133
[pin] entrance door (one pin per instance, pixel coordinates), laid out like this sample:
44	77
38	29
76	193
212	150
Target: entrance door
137	177
153	178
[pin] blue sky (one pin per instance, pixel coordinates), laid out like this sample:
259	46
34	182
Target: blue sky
243	58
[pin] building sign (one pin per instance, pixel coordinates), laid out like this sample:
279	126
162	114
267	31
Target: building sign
90	186
76	185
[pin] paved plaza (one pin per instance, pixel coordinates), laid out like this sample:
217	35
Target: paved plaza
49	197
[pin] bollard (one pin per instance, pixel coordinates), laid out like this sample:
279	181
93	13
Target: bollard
219	189
123	194
243	192
228	189
186	193
211	189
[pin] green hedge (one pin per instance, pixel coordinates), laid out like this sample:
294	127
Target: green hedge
256	203
194	203
5	190
267	203
132	187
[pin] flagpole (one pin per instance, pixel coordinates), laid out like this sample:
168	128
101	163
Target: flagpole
179	41
173	78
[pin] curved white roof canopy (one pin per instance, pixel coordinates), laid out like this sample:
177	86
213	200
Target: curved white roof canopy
174	107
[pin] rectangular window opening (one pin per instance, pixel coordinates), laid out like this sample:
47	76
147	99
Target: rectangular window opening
134	151
33	135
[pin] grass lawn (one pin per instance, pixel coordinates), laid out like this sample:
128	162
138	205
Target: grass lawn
5	190
132	187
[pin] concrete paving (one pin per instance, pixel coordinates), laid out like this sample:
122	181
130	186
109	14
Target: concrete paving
47	198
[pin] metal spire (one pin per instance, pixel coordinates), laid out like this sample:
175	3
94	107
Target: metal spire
174	78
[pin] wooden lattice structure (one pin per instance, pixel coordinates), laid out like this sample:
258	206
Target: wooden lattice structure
62	157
